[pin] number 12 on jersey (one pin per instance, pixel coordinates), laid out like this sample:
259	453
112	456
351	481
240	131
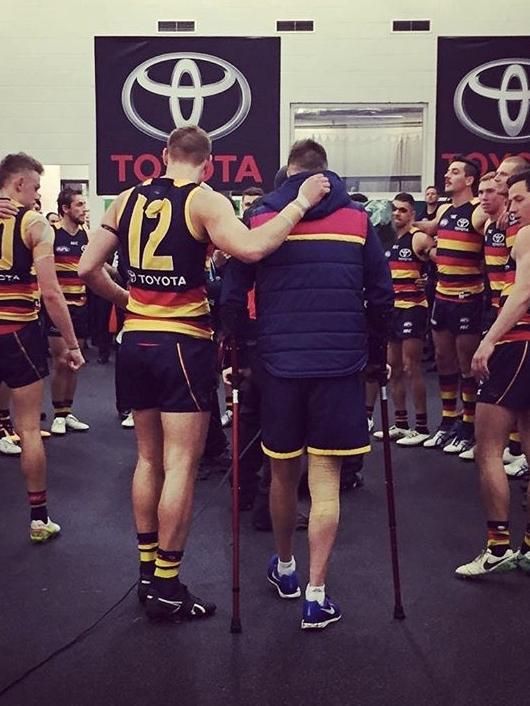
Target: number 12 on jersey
146	258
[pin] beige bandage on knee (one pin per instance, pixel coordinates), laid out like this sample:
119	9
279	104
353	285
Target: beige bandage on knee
324	486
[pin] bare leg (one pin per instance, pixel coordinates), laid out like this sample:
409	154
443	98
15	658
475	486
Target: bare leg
445	352
149	473
493	424
184	439
412	352
27	403
324	485
60	374
397	382
285	476
466	345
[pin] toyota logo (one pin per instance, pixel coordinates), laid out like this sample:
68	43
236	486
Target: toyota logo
186	65
462	223
498	239
514	88
405	252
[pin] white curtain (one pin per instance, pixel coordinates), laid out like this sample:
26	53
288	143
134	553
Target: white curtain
371	151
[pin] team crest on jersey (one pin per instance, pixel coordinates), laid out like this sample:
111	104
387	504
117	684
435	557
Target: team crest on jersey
462	224
444	222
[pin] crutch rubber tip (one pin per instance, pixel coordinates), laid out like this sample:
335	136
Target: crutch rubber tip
399	613
235	625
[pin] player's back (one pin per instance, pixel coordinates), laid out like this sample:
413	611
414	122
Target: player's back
165	259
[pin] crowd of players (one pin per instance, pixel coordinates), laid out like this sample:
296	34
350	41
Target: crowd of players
458	275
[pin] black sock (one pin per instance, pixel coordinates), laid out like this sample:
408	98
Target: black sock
369	410
37	504
514	447
166	576
401	417
498	537
60	408
147	546
421	423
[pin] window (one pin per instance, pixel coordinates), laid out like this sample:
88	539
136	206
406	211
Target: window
376	148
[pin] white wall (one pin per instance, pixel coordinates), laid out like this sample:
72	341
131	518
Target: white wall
46	58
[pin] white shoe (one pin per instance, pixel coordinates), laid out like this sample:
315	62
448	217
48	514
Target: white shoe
488	563
8	447
439	439
468	455
458	445
128	422
412	438
226	419
508	457
371	424
74	424
40	531
58	426
394	432
518	468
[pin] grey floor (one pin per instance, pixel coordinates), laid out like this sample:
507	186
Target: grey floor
462	644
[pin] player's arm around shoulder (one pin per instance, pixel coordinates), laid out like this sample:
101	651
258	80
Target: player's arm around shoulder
212	213
423	245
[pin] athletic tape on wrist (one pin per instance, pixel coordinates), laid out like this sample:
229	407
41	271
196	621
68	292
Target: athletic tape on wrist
302	202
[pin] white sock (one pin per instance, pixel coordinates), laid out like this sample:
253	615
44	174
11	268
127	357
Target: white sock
315	593
286	567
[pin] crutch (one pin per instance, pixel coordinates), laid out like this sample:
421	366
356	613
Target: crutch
235	625
399	613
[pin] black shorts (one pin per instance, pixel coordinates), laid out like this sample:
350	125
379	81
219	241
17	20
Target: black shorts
509	382
325	415
167	371
409	323
23	356
489	319
459	317
79	316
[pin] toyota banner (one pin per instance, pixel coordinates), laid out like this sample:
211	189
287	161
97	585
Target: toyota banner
147	86
483	100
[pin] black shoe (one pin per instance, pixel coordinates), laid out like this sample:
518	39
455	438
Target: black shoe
182	605
143	586
350	481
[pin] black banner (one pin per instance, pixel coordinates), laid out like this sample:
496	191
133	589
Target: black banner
483	100
147	86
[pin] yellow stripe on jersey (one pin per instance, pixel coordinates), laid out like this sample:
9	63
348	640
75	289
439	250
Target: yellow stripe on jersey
167	325
358	239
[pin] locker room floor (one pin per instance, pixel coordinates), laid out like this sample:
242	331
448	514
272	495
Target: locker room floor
462	643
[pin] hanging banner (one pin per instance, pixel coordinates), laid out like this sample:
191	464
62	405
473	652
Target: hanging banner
147	86
483	100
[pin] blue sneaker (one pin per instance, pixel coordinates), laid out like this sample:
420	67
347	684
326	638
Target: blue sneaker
320	616
287	585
